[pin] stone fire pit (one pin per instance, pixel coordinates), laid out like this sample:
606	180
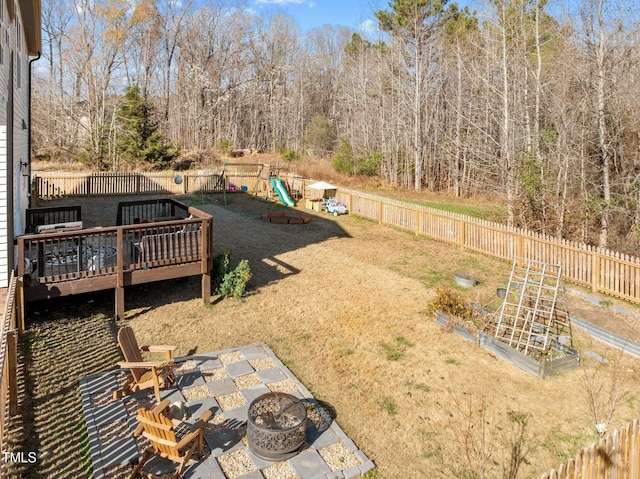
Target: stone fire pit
277	426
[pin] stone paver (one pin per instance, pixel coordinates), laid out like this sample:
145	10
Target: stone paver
309	464
226	430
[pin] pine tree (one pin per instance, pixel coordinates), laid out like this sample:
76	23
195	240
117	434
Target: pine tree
139	143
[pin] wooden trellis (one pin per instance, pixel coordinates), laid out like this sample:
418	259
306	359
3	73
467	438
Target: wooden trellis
533	317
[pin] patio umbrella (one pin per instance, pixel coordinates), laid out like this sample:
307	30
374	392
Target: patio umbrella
327	189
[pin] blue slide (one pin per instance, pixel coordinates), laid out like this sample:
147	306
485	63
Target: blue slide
282	192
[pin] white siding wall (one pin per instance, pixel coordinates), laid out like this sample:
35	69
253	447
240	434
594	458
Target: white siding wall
19	184
20	139
4	240
4	82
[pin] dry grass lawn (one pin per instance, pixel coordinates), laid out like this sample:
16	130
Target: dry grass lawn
341	301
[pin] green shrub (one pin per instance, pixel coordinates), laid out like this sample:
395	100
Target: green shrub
343	161
234	282
220	268
290	155
226	146
370	165
320	135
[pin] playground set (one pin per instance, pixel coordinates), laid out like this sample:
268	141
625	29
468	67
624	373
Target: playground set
265	180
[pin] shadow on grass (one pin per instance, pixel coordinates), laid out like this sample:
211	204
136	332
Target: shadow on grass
59	346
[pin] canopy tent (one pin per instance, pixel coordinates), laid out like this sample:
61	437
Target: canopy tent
327	189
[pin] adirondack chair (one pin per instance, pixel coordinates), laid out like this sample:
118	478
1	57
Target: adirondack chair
144	374
174	442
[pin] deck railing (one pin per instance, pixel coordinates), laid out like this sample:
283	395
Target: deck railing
12	323
615	457
156	240
51	215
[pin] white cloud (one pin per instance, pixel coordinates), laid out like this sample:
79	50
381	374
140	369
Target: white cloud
368	26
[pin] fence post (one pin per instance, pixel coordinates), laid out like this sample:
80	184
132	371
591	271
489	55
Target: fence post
417	222
20	304
35	181
595	272
380	208
463	233
520	246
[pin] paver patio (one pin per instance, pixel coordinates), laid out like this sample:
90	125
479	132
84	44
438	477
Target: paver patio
225	382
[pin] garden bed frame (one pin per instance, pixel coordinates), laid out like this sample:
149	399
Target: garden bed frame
541	369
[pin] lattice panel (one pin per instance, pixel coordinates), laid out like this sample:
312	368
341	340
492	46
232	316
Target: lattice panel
533	314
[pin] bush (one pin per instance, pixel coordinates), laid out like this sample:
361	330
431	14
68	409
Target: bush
234	282
226	146
320	135
343	161
370	165
290	155
450	302
220	268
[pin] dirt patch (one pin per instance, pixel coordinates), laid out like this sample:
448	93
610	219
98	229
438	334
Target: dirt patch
332	296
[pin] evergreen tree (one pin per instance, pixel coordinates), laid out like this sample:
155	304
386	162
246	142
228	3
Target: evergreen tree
139	143
320	135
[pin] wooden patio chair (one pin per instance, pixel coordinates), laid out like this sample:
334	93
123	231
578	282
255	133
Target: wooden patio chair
174	442
144	374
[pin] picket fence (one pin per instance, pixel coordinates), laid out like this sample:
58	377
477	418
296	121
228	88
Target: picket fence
11	324
599	269
615	457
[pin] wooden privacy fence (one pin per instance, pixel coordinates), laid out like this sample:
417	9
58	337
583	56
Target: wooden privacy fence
11	321
596	268
601	270
616	457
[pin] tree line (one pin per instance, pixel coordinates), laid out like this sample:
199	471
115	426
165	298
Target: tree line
536	103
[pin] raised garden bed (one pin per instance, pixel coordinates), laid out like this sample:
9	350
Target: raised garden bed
466	280
563	358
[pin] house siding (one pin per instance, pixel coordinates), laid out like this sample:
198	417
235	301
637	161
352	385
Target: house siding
20	143
14	142
4	217
4	85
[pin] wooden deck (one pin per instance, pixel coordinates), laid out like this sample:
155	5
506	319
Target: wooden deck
153	240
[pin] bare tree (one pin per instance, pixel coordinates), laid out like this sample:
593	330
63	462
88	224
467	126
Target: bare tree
414	25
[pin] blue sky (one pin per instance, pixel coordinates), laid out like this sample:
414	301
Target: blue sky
355	14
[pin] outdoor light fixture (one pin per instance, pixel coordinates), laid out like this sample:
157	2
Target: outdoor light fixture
24	167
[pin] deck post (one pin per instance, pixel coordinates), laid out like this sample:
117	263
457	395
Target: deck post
119	300
207	259
119	291
206	288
